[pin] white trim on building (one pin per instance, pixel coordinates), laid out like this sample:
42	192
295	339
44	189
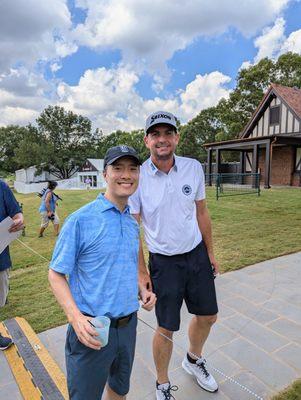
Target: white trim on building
27	182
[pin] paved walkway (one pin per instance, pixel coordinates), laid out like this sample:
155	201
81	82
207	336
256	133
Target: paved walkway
257	340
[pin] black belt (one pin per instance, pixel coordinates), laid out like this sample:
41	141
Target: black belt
116	322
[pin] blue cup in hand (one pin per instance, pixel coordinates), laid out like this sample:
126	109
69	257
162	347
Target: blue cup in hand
102	325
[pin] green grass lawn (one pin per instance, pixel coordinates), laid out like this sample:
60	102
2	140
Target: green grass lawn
292	393
247	229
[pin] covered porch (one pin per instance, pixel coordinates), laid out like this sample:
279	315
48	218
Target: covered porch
275	157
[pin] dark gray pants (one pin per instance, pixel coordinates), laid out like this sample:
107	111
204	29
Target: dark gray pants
89	370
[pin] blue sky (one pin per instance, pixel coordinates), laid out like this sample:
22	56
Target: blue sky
115	61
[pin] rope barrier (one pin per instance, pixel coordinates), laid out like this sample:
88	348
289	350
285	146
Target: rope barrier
32	250
211	366
232	380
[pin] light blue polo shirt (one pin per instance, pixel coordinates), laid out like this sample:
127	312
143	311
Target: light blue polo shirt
98	248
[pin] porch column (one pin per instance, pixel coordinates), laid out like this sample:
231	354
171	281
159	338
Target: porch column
218	161
242	162
267	165
254	164
209	166
242	166
255	159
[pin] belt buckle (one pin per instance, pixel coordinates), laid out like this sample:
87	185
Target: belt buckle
123	321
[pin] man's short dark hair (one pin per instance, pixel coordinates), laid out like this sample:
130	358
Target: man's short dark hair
152	128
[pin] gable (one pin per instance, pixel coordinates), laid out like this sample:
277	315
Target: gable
273	116
87	166
97	163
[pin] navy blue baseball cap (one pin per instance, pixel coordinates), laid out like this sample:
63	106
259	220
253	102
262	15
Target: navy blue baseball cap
116	152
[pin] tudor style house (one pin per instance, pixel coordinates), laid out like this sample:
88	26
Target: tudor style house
271	141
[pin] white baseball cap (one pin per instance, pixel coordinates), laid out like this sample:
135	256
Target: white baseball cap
160	117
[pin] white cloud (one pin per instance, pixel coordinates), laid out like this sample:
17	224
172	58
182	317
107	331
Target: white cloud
273	41
17	116
54	67
245	64
110	99
205	91
292	43
33	30
23	94
148	33
103	90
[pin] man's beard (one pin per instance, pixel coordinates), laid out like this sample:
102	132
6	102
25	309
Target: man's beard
164	157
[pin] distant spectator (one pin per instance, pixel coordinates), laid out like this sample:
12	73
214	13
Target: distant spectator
48	209
9	207
88	183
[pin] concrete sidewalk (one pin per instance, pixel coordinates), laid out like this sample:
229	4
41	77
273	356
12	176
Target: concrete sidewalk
257	340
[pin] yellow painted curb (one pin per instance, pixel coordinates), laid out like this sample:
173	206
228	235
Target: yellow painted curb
22	375
50	365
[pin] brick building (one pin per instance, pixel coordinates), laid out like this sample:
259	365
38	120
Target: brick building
271	141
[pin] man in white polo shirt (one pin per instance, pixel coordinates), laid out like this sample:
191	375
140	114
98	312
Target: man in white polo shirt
170	201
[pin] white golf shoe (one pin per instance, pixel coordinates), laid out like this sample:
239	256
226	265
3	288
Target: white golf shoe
199	370
163	392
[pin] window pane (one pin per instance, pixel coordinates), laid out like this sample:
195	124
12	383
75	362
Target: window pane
274	115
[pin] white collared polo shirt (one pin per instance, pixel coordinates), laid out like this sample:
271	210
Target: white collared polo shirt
166	204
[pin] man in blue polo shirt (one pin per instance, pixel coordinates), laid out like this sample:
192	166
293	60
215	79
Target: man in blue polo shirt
98	249
9	207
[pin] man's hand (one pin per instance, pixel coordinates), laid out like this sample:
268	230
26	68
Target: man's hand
18	223
145	281
214	264
85	332
148	299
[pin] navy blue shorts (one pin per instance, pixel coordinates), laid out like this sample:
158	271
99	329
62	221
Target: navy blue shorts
188	277
89	370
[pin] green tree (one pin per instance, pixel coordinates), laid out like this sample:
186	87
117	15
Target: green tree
133	139
10	139
31	148
227	120
252	83
288	70
201	129
137	142
68	139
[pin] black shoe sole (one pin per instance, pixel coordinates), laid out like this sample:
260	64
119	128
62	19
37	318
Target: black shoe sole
4	348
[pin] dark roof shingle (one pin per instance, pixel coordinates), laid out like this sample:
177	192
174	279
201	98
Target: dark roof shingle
291	95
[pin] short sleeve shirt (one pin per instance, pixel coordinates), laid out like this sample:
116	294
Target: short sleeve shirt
52	204
9	207
166	204
98	248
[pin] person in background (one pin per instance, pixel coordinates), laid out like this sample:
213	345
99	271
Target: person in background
9	207
48	209
88	183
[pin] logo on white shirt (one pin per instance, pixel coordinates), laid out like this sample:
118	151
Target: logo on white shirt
186	189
